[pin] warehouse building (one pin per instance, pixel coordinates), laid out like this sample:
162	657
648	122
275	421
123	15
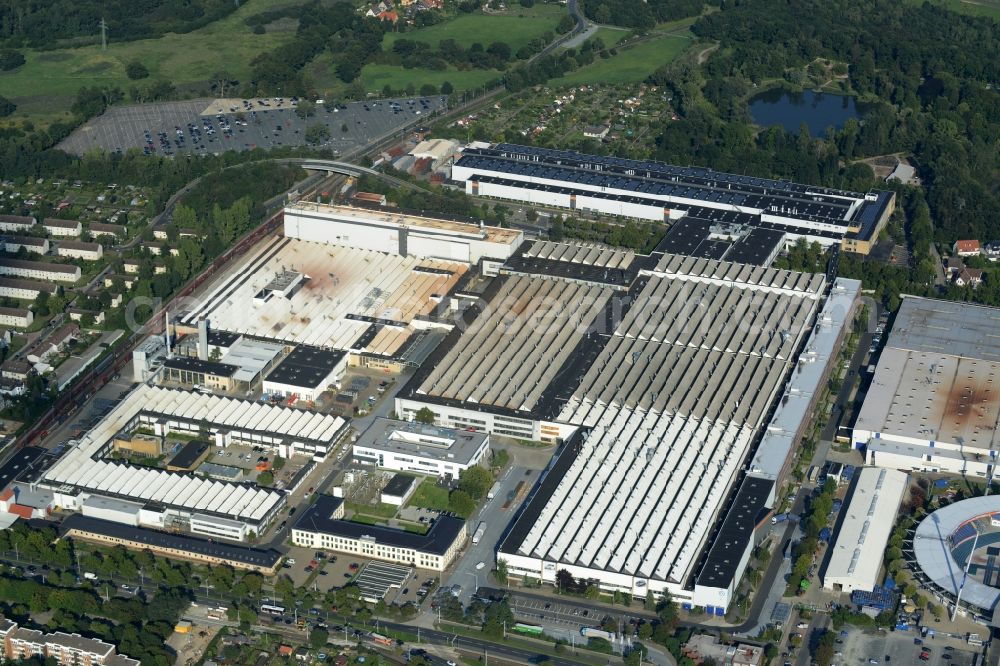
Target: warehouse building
405	235
700	357
496	373
414	447
39	270
306	373
933	405
659	192
62	228
347	299
322	527
25	290
17	317
80	250
32	244
862	532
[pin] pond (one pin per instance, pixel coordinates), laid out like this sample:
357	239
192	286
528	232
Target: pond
817	110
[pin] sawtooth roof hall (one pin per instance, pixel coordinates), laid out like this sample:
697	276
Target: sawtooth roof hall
658	413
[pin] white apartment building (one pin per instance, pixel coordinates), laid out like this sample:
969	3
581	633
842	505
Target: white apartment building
19	317
66	649
25	290
14	244
16	222
80	250
39	270
62	228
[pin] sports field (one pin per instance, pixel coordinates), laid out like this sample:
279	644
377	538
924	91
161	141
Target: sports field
632	63
516	27
48	81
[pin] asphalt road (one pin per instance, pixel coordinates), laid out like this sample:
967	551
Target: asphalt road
495	520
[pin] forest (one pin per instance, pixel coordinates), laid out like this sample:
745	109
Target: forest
931	75
641	14
43	23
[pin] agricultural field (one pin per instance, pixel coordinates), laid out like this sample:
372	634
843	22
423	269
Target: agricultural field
630	64
46	84
516	27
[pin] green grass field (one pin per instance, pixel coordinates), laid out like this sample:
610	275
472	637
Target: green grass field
989	8
375	77
49	79
516	27
381	510
610	36
634	63
430	496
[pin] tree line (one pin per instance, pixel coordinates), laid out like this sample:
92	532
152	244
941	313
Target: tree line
641	13
42	23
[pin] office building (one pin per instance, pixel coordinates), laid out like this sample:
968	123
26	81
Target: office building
322	527
408	446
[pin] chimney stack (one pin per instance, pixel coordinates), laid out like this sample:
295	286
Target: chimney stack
203	339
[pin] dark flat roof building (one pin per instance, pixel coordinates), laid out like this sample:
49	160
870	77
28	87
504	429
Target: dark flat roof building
322	526
189	456
646	189
307	371
179	546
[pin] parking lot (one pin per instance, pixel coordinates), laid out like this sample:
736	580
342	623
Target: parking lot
198	126
859	647
335	571
554	612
